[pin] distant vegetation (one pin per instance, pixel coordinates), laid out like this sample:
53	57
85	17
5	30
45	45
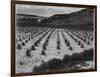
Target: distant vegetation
78	20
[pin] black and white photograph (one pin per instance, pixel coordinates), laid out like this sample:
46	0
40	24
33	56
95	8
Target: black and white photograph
54	38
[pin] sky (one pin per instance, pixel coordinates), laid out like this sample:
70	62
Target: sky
45	11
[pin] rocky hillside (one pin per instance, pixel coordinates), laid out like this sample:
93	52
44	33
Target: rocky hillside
77	20
80	20
28	20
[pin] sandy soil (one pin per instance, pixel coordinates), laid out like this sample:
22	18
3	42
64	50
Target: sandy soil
26	64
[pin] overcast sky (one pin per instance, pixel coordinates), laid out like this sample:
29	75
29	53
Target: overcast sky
44	10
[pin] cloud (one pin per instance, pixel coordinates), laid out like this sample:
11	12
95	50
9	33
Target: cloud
44	10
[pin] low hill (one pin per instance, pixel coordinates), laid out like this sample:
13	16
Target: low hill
77	20
82	20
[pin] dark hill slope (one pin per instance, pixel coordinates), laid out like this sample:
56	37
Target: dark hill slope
80	20
77	20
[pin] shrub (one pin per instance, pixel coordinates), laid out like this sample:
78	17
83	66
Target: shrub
20	39
43	52
28	53
84	40
88	43
79	42
75	40
42	68
55	64
32	47
23	38
87	55
67	59
26	41
36	44
88	37
21	63
58	47
68	44
66	41
23	43
76	57
58	52
58	44
19	46
82	46
70	48
44	46
29	39
36	69
91	38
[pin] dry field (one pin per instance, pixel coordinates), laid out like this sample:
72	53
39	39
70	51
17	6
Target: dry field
46	49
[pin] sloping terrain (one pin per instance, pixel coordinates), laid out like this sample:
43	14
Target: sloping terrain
77	20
